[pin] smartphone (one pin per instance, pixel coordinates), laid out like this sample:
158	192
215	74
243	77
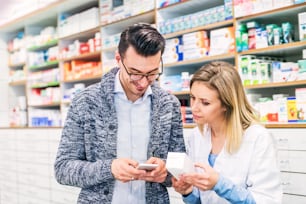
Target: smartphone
147	167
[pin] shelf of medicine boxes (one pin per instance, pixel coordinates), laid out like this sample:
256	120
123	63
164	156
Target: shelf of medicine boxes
95	55
115	27
41	67
290	52
16	66
110	31
186	8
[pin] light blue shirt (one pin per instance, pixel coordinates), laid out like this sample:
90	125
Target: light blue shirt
132	140
224	188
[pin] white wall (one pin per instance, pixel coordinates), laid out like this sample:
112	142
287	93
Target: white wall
4	89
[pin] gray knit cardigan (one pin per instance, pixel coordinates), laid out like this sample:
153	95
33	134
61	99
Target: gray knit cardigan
88	143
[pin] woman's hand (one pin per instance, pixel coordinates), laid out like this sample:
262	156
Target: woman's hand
205	180
181	187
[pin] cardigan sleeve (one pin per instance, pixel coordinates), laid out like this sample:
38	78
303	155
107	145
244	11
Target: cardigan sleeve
71	166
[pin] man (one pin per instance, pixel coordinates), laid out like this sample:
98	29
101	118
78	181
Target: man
124	120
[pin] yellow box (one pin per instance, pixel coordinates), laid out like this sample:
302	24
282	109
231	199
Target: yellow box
291	108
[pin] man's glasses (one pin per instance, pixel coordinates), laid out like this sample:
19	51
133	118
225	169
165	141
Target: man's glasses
149	76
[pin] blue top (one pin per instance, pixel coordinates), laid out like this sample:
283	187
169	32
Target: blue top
225	188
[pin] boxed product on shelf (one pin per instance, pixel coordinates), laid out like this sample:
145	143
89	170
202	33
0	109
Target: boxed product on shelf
300	95
195	53
171	83
291	109
278	36
173	51
186	114
111	11
18	117
261	38
302	25
288	32
165	3
270	33
83	69
268	109
282	3
17	57
17	75
89	19
44	118
302	69
222	41
195	45
228	9
245	68
282	109
111	41
265	72
241	35
284	71
249	7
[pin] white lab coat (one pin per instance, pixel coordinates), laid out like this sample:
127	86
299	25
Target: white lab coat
253	167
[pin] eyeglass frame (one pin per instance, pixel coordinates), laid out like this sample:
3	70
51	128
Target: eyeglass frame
144	75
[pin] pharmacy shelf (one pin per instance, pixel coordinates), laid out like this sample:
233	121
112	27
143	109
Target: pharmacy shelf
281	50
81	35
277	84
18	83
45	105
285	125
87	56
83	79
43	14
45	85
200	61
119	25
45	46
282	14
16	66
187	7
46	65
206	27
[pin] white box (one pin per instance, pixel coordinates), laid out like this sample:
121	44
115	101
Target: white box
179	163
302	25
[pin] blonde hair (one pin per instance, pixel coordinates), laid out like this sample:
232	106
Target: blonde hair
239	115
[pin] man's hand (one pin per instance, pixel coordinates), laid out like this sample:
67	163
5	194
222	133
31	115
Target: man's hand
124	170
157	175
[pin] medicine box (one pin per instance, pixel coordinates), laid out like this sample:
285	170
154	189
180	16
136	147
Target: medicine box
300	94
302	25
291	108
179	163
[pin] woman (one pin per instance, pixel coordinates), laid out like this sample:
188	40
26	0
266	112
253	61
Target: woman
234	155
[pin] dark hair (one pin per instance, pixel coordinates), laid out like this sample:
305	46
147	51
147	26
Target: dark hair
144	38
